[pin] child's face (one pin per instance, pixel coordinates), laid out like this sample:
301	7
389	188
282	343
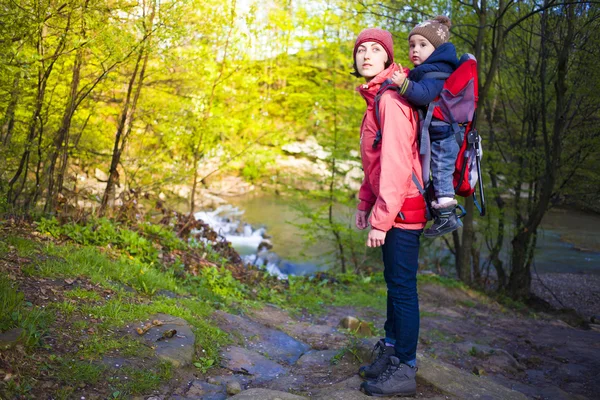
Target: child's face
370	59
419	49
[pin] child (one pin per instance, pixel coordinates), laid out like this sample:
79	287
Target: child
430	51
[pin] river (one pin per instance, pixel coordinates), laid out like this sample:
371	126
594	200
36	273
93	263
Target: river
568	241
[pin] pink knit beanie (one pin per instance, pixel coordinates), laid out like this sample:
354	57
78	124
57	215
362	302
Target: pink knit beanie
383	37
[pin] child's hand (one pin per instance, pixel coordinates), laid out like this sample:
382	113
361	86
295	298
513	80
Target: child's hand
398	77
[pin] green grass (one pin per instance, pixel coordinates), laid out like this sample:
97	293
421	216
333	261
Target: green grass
73	261
362	295
66	308
128	381
99	345
74	372
467	303
442	281
118	311
4	249
438	336
23	246
16	313
83	294
122	382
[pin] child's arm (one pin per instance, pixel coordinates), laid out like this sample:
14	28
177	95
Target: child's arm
421	93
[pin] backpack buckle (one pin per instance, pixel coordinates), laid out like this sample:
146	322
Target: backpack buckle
473	137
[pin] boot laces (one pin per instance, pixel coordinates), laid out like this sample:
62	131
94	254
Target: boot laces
389	372
378	347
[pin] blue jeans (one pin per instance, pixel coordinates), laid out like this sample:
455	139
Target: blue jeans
443	158
401	261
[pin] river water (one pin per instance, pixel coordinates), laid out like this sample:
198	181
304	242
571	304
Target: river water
568	241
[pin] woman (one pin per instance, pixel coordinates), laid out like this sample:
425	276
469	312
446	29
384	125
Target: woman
391	203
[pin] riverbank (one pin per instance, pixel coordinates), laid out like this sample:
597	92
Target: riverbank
580	292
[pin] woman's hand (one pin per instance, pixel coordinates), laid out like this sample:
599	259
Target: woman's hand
361	219
376	238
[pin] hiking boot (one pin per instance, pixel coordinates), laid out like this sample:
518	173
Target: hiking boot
381	362
397	380
445	219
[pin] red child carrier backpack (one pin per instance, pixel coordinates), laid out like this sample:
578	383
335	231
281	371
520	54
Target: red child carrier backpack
456	106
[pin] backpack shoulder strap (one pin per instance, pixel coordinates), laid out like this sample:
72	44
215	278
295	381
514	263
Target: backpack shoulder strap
436	75
385	86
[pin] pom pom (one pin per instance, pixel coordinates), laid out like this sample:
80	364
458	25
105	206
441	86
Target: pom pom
442	19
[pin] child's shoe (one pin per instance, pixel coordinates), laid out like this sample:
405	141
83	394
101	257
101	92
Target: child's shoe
445	219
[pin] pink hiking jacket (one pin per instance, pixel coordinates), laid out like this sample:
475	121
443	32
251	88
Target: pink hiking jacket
387	187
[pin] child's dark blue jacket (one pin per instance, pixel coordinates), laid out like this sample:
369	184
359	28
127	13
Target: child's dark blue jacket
420	92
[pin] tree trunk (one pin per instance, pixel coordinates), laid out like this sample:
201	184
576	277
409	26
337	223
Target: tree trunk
524	242
124	129
8	122
61	139
44	72
198	153
463	253
519	284
127	115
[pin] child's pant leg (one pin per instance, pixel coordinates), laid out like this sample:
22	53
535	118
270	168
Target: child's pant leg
443	158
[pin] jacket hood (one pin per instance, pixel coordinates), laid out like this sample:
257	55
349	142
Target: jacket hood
369	90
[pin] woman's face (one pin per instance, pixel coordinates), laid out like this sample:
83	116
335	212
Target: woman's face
370	59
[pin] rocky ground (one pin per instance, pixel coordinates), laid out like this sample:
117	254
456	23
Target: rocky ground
470	348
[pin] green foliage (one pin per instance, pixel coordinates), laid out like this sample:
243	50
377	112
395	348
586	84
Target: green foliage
74	372
222	283
204	364
11	302
24	247
441	280
305	294
165	236
98	345
82	294
102	232
71	261
135	381
15	313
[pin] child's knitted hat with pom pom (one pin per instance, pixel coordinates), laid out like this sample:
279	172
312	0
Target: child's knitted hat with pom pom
436	30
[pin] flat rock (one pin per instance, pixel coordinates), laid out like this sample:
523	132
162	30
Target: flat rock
316	358
199	389
462	384
243	380
240	360
290	383
265	394
349	386
537	391
178	350
495	360
10	338
345	394
319	337
274	344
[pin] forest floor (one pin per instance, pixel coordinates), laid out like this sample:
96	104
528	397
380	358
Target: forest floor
83	322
